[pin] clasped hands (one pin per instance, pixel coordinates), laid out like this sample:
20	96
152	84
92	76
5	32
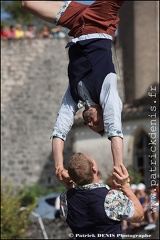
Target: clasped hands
62	175
120	177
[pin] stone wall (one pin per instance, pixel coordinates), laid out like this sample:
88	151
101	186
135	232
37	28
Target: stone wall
33	81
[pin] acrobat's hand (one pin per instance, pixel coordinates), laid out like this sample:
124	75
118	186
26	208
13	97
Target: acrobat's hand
58	173
121	177
66	179
62	175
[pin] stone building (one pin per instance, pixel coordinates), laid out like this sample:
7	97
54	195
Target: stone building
34	79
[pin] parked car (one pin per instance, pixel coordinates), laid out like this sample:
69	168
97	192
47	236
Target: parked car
46	206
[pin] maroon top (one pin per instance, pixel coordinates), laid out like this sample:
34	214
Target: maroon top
99	17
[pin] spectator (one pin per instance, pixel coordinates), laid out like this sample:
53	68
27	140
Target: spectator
45	32
134	188
57	32
19	33
143	198
4	33
153	209
34	30
29	32
142	195
11	32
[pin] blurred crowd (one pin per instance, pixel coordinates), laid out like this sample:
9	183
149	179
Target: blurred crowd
150	203
18	32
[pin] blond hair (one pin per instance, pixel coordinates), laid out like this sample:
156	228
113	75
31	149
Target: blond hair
80	169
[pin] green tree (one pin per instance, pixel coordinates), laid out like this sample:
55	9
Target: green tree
19	15
135	177
14	218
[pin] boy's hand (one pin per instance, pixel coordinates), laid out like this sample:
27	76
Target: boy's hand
121	177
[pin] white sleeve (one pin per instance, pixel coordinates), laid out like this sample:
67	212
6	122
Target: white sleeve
112	106
65	116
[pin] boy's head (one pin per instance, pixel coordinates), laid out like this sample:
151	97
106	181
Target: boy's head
81	169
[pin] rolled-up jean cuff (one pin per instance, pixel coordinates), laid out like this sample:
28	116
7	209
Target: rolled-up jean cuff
115	133
58	134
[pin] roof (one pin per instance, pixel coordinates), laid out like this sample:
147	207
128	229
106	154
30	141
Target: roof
141	107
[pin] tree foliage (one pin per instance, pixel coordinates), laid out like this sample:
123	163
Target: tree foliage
14	221
134	176
17	14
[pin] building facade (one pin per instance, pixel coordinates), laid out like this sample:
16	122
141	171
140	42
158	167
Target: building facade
34	79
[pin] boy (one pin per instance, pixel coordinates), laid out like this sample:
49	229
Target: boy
90	208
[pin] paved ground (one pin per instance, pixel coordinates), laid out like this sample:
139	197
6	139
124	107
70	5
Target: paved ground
58	229
140	233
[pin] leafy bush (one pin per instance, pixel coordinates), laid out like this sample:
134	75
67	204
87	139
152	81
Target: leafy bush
60	188
14	221
30	194
16	209
135	177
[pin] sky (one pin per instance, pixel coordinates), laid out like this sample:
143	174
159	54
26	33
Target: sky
85	2
5	15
